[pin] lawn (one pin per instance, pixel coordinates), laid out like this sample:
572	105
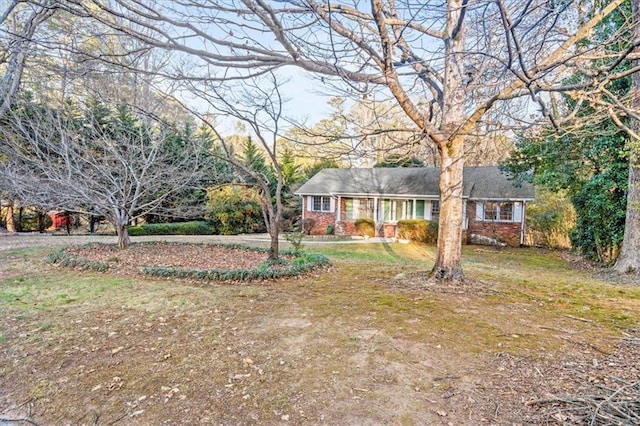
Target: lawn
348	344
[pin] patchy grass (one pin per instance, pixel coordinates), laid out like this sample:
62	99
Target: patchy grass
338	346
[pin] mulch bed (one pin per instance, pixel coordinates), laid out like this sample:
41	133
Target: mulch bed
169	255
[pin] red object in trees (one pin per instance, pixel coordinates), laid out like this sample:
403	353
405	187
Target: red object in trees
59	219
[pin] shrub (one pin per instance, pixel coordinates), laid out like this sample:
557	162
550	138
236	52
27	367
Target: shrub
366	227
295	239
307	225
549	219
235	210
180	228
418	230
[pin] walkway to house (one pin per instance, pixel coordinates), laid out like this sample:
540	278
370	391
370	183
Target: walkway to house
10	241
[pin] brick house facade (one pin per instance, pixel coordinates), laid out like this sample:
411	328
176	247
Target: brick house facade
494	208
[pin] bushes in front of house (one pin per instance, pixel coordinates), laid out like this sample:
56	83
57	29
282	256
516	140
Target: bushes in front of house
235	210
366	227
418	230
199	227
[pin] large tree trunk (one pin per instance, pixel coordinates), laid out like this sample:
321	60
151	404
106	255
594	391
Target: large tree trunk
629	259
272	220
274	247
42	217
11	224
20	218
121	223
448	265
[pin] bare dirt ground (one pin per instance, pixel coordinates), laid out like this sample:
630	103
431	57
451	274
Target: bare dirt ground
338	347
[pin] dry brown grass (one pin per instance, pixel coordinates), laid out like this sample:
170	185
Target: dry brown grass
342	346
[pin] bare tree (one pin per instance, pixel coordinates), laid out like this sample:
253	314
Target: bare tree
446	64
256	103
361	136
121	166
18	26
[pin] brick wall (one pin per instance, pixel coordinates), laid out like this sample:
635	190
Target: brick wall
505	232
389	230
320	221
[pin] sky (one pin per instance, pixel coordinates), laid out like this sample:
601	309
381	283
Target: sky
304	101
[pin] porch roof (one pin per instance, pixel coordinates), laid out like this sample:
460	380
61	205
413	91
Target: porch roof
486	182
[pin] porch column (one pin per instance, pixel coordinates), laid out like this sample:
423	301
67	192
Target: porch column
375	210
339	209
465	222
522	223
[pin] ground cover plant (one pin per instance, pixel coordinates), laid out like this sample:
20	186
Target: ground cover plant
358	343
218	262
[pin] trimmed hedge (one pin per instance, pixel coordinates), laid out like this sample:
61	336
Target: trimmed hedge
418	230
366	227
177	228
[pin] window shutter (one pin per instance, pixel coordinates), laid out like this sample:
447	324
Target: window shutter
332	205
479	211
517	212
420	209
309	203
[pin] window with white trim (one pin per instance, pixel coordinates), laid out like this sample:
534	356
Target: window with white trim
494	211
395	210
359	208
435	208
320	203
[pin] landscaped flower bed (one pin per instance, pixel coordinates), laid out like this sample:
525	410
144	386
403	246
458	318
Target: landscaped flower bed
199	261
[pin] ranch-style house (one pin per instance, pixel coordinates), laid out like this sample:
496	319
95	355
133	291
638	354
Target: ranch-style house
494	207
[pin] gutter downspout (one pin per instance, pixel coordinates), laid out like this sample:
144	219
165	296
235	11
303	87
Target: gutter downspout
522	223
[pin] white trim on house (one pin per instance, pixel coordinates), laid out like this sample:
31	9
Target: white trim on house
516	211
310	203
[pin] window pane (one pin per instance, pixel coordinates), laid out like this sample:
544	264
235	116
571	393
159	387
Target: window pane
363	208
435	208
491	211
317	203
399	205
326	204
506	212
370	208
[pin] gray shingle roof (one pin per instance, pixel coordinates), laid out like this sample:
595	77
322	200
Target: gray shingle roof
485	182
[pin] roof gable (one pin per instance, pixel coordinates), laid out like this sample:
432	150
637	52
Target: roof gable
486	182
